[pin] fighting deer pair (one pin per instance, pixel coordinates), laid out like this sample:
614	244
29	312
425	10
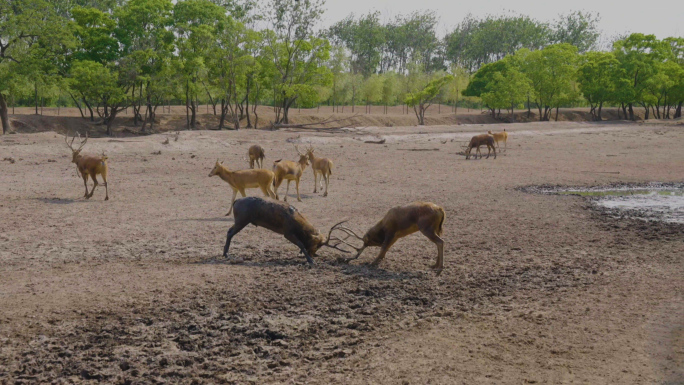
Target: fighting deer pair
88	165
281	218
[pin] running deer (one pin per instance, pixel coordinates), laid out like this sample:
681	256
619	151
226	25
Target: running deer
426	217
256	155
290	171
500	137
481	140
88	165
322	166
244	179
284	219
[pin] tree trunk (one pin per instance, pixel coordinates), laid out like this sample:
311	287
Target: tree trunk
631	112
4	115
678	112
529	111
646	114
110	120
187	104
36	95
556	114
599	111
512	114
224	111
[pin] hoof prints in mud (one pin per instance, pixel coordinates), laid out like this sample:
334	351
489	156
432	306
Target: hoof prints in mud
290	317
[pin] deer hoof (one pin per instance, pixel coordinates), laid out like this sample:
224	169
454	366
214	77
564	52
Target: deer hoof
325	194
106	198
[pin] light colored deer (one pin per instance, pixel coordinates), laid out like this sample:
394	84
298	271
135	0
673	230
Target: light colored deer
88	165
426	217
290	171
481	140
500	137
244	179
322	166
256	155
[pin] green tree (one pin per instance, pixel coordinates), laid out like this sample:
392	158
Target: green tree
298	54
507	89
577	28
422	100
551	72
599	76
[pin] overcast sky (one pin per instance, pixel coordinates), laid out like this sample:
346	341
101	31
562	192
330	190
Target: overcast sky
662	18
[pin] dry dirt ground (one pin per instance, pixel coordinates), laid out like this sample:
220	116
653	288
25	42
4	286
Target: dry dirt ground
536	289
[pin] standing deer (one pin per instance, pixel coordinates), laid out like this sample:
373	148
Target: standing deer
244	179
322	166
500	137
480	140
256	155
290	171
280	218
426	217
88	165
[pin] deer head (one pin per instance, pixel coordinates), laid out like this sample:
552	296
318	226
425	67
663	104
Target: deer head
217	168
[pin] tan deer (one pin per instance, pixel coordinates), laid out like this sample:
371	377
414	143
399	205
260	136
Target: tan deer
322	166
256	155
500	137
426	217
88	165
241	180
481	140
290	171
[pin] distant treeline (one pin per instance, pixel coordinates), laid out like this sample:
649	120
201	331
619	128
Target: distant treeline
104	56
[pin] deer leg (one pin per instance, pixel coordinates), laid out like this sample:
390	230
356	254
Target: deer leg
276	184
92	191
389	241
231	233
315	179
494	149
320	180
104	179
489	151
430	234
232	201
297	186
287	190
327	181
292	238
85	183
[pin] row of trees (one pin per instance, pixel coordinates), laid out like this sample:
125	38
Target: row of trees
113	55
108	55
640	71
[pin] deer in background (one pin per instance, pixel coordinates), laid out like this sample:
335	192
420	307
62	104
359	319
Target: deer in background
290	171
500	137
426	217
322	166
244	179
88	165
481	140
256	155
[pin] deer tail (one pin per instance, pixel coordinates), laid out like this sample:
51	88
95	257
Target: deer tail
441	222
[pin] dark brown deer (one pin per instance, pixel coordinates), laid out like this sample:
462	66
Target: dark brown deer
256	155
280	218
481	140
426	217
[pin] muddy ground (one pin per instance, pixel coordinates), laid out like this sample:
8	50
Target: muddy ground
536	289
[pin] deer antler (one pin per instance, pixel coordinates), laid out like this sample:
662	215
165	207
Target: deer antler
297	148
342	241
82	142
66	140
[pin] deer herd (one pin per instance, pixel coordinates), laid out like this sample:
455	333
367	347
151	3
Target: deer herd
284	219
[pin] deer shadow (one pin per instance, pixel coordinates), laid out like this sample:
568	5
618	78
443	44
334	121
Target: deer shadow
61	201
215	219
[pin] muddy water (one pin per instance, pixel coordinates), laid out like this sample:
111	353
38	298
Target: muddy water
662	202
